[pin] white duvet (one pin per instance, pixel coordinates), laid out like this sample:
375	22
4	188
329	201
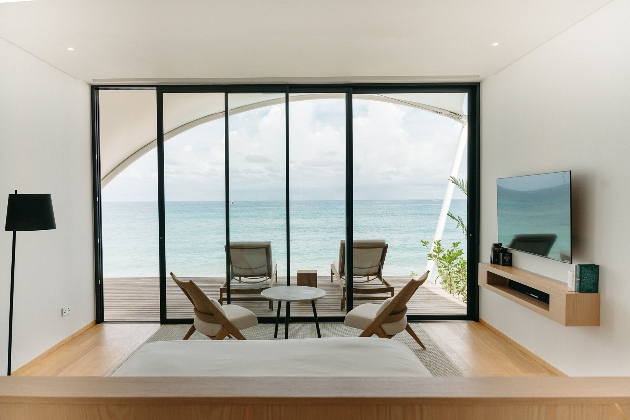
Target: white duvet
334	357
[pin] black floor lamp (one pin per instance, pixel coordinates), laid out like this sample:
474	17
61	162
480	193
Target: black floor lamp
26	212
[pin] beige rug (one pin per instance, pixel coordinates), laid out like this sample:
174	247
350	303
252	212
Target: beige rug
433	357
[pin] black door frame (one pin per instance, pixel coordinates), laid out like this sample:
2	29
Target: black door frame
348	90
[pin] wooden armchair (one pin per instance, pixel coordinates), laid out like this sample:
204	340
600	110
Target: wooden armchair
389	318
212	319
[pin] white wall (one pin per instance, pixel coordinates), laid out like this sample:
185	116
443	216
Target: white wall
566	106
45	147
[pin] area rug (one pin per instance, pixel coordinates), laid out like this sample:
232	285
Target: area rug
434	358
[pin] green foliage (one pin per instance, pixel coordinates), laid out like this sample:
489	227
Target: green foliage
463	187
413	273
451	267
460	223
460	183
450	262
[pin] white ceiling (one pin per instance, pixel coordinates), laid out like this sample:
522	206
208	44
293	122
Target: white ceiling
194	41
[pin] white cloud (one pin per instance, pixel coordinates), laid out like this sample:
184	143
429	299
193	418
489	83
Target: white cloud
399	153
400	146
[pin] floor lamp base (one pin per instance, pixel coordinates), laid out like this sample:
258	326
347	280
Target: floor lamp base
11	307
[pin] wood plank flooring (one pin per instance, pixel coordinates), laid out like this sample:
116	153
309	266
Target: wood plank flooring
479	351
138	299
96	352
472	346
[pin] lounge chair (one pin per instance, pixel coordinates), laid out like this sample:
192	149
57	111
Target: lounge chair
212	319
389	318
368	261
252	270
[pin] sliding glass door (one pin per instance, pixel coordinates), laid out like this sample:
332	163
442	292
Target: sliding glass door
297	170
257	199
317	185
194	195
129	206
409	191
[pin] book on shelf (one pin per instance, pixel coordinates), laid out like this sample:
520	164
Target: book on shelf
586	278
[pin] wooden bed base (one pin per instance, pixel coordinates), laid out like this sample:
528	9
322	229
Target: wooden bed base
313	398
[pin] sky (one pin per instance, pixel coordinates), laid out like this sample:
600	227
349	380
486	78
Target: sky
400	153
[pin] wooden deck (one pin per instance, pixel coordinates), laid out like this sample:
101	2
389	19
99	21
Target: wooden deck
138	299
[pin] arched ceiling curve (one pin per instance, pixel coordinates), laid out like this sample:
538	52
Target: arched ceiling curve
127	118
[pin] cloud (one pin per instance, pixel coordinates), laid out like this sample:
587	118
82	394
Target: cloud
399	153
257	159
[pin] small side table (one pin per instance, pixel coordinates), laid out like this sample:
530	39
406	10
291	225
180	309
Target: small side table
293	294
307	278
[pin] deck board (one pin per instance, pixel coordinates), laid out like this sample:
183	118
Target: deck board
138	299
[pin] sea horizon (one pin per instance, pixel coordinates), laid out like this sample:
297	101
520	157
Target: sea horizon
195	234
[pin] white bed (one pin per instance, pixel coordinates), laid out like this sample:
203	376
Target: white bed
333	357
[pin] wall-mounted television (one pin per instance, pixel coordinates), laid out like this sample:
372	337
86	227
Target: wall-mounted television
534	214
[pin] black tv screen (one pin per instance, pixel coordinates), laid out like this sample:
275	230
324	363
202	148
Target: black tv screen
534	214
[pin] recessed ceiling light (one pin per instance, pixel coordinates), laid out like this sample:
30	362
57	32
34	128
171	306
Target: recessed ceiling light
70	49
496	44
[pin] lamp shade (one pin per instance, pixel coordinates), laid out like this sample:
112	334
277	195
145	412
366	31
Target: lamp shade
30	212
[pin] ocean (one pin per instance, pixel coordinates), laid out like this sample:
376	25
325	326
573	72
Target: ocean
195	234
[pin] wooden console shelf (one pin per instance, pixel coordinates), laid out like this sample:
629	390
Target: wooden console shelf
565	307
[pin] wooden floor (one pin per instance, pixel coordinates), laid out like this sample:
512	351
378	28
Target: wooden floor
476	349
96	352
479	351
138	299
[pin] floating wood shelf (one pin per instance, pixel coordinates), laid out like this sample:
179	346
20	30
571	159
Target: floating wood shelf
565	307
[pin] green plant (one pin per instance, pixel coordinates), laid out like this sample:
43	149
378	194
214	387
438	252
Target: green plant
451	266
450	262
413	273
463	187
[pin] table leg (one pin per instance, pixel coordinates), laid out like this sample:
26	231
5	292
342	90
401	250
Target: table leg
275	334
286	320
319	335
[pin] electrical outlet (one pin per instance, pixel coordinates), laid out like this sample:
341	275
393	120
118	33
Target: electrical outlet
65	311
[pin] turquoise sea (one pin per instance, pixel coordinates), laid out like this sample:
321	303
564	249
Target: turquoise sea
195	234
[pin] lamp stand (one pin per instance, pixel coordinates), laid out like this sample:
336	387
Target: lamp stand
11	307
25	212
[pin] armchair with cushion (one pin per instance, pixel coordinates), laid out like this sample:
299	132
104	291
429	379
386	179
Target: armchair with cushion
389	318
212	319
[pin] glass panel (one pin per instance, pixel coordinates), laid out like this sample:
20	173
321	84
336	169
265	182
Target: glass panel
129	205
406	146
194	191
257	195
317	180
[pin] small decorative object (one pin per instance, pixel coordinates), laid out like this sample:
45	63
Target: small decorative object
497	250
571	280
307	278
586	278
505	258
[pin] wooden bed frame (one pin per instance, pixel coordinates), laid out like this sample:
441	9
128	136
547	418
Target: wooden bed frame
313	398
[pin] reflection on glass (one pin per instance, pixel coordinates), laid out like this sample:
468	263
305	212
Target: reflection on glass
194	190
534	214
404	153
129	205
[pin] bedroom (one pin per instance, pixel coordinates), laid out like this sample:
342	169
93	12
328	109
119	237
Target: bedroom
555	98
